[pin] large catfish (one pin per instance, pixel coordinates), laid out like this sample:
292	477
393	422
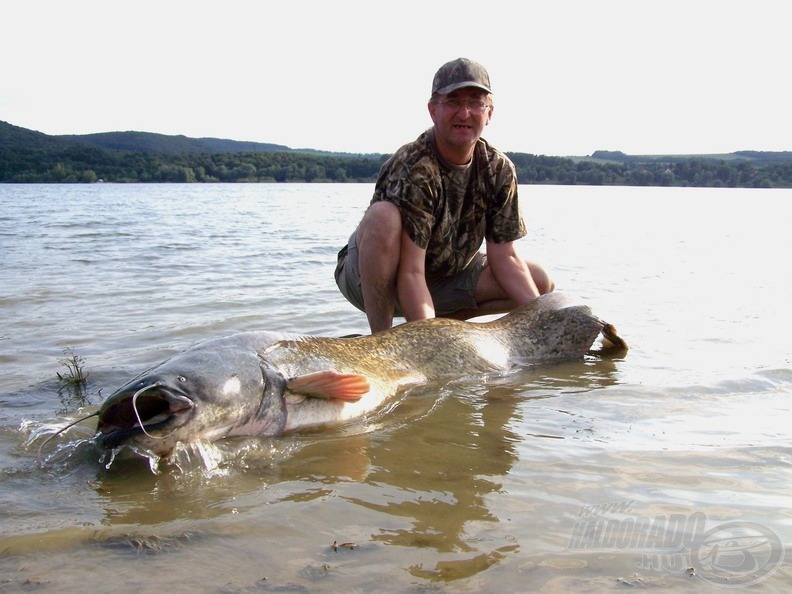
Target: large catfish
258	383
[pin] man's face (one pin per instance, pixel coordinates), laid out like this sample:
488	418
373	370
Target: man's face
457	125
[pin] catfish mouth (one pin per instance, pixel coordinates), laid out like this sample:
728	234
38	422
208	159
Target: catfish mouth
151	408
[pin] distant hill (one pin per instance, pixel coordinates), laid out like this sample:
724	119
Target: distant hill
757	157
148	142
28	156
133	142
14	137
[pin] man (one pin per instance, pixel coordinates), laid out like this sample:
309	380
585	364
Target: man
416	253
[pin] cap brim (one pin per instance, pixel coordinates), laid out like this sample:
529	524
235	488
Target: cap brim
462	85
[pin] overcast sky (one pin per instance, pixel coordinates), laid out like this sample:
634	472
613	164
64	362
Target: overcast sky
569	76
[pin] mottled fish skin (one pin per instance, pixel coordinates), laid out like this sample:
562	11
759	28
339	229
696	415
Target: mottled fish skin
550	328
546	329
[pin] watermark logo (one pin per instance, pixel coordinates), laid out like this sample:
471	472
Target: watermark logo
728	554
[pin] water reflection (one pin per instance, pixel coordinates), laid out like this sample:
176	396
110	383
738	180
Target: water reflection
434	477
203	482
439	473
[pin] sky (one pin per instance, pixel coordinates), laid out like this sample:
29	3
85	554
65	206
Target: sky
569	76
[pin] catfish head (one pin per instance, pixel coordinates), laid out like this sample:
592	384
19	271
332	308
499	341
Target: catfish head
211	391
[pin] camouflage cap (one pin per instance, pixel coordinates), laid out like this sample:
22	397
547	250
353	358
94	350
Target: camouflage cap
458	74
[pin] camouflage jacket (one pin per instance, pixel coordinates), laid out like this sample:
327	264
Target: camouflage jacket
450	210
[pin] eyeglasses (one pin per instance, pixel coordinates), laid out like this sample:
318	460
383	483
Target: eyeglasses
473	106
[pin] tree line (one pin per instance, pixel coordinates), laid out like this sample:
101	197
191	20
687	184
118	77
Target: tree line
692	172
86	164
89	164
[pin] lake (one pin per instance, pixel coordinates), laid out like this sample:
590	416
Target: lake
669	467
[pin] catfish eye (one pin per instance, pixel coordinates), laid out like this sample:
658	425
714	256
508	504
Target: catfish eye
182	379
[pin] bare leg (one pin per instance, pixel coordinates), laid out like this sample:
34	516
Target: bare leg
379	246
541	277
492	299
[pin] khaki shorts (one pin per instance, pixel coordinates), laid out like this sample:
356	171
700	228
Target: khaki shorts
448	294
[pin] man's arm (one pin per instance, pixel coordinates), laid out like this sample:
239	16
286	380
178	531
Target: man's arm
511	272
413	293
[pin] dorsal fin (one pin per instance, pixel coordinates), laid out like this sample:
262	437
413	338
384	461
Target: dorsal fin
330	385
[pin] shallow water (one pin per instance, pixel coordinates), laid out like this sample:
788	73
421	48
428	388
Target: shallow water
532	482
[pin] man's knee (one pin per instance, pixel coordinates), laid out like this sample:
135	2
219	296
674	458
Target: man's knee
381	227
541	278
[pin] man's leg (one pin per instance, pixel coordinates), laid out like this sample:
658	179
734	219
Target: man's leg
378	239
492	299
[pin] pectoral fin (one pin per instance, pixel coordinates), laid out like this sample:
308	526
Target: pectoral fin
330	385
